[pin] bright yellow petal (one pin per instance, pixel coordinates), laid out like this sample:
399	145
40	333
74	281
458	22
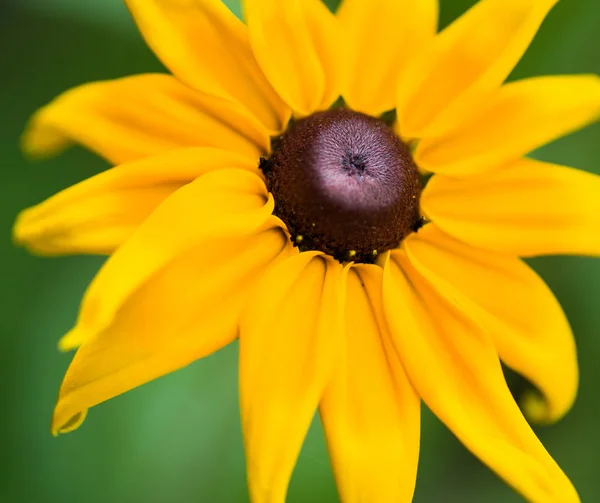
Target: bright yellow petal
528	208
466	63
513	305
522	116
220	204
370	412
454	367
378	39
135	117
290	337
207	47
186	310
97	215
294	42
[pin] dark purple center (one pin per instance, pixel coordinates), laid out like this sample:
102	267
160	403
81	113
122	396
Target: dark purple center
344	184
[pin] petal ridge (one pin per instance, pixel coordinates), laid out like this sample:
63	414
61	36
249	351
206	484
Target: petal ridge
229	202
370	412
380	37
99	214
290	333
180	31
514	305
471	57
139	116
187	310
294	42
454	366
522	116
528	208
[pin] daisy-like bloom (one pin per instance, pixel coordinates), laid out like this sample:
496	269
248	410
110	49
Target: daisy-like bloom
246	205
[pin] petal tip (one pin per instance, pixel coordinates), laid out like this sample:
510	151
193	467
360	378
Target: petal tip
59	427
538	410
29	234
18	233
22	234
71	340
41	141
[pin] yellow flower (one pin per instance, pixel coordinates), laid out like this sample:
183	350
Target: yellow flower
305	238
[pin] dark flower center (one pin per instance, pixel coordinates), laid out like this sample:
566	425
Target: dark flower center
344	184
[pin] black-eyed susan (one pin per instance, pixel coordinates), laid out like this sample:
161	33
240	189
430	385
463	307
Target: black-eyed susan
245	204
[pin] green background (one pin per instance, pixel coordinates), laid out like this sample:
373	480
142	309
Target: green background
178	439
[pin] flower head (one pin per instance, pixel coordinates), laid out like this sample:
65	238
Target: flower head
250	202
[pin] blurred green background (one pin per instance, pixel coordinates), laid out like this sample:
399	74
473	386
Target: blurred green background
178	439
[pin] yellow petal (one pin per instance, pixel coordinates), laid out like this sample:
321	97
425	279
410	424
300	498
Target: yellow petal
207	47
512	304
528	208
290	337
99	214
185	311
219	204
370	412
379	38
454	367
465	64
522	116
135	117
294	42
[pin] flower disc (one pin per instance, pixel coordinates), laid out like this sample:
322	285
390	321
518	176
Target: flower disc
344	184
